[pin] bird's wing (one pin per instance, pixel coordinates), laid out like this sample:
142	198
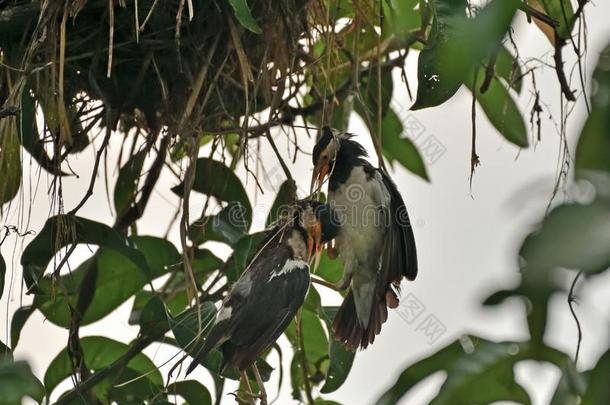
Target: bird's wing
270	307
399	252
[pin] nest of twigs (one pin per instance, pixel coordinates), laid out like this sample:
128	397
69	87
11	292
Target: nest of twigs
187	66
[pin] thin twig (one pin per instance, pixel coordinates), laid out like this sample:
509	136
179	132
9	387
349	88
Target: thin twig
474	158
571	300
96	165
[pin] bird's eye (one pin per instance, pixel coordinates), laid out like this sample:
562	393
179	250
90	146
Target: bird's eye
325	157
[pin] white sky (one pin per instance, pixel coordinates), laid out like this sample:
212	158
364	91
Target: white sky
467	241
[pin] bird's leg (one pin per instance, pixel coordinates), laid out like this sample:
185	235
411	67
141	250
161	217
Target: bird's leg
249	395
261	387
331	250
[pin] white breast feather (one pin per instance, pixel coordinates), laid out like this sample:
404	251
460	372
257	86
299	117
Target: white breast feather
362	228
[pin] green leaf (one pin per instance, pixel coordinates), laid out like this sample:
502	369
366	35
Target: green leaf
501	110
192	391
483	376
563	12
399	148
10	160
127	182
341	360
457	57
228	226
28	134
243	253
217	180
434	87
62	230
244	16
593	151
570	387
400	17
449	56
20	317
17	382
117	279
598	389
281	202
555	244
418	371
315	341
153	319
509	69
100	352
330	269
5	353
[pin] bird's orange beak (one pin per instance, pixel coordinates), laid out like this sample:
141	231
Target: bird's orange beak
314	242
317	178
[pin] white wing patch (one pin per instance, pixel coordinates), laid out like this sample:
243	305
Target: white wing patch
289	266
224	313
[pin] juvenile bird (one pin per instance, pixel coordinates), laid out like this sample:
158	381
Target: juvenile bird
375	240
268	294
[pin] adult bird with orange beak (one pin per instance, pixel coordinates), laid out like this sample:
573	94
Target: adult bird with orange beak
375	239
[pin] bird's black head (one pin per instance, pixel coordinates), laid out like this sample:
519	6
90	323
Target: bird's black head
334	148
327	137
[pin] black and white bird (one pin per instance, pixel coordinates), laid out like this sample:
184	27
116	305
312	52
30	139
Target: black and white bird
268	294
375	240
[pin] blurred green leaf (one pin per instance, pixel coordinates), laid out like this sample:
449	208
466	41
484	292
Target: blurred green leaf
457	57
192	391
570	386
434	86
17	381
509	69
127	182
598	389
330	269
244	16
561	11
217	180
399	148
483	376
572	236
400	17
117	279
593	151
10	161
501	110
100	352
416	372
20	317
5	353
62	230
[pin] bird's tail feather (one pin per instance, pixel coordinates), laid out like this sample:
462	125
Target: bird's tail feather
348	329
